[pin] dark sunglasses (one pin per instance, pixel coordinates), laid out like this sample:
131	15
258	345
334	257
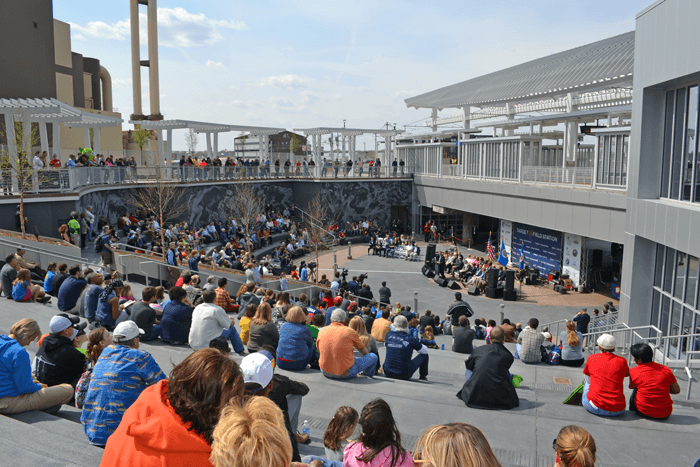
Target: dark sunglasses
554	444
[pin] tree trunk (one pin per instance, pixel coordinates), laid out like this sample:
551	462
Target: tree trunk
21	214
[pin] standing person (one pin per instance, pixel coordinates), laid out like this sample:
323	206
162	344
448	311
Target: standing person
74	229
652	385
122	372
459	308
379	443
582	319
394	167
604	394
574	447
19	391
384	295
90	218
489	384
84	228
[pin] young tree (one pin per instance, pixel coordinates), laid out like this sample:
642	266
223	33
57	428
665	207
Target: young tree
140	137
245	205
319	235
22	168
191	139
163	198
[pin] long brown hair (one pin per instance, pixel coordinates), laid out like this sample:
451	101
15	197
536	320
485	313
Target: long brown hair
341	427
454	445
379	431
576	447
428	333
358	325
93	348
202	385
571	335
263	314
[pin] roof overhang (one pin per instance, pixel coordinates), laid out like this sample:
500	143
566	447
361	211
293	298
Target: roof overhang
54	111
349	131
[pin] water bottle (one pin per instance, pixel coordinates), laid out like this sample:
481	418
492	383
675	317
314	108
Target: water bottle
306	428
443	346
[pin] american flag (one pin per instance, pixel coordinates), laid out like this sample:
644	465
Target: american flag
489	249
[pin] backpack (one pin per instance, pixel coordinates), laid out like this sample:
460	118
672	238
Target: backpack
98	244
81	388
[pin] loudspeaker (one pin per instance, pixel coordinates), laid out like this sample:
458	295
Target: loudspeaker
428	272
454	285
473	291
429	252
597	258
492	274
494	292
510	295
510	280
441	282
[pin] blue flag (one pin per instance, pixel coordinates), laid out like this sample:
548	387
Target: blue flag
503	256
522	256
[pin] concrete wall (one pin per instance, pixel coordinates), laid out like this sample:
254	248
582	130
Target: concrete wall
27	61
591	213
44	214
666	42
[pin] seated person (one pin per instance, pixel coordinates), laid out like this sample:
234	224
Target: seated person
509	329
428	338
19	391
463	336
571	342
381	326
57	361
603	394
529	343
145	316
24	291
336	343
109	312
400	345
122	372
210	321
70	291
177	318
489	384
8	274
652	384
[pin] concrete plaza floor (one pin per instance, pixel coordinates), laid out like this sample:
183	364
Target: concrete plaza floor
520	437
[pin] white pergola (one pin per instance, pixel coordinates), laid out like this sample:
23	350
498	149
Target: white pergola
348	139
44	111
208	129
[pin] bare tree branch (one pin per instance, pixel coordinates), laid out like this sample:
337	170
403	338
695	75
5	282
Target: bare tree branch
245	205
319	235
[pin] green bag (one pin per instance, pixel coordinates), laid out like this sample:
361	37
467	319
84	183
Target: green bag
575	396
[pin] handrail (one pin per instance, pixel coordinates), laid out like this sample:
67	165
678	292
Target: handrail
690	382
318	222
628	334
593	324
42	251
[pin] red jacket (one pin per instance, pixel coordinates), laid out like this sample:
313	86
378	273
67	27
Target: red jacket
151	434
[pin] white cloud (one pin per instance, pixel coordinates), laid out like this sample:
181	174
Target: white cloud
233	87
246	104
218	66
309	97
176	28
278	102
283	81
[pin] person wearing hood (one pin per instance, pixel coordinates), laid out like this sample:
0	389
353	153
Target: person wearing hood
172	422
120	375
57	361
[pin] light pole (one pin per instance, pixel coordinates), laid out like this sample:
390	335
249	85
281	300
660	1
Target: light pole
343	123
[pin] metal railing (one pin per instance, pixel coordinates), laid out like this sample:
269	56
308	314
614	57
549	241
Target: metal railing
558	175
597	323
48	254
51	180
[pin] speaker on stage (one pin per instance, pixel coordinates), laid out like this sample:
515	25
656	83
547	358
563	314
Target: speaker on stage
492	275
510	295
454	285
441	282
494	292
429	252
428	271
473	291
510	280
597	258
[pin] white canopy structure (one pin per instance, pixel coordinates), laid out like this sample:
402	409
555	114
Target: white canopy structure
43	111
208	129
348	136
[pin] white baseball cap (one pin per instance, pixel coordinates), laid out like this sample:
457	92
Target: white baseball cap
257	368
62	322
607	342
127	330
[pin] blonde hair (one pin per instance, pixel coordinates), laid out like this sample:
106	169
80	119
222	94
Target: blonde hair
576	447
25	329
571	336
296	315
454	445
253	435
358	325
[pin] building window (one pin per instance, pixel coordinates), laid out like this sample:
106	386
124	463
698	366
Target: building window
612	159
674	308
680	172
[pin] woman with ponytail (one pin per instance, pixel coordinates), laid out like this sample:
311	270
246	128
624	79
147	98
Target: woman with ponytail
574	447
98	340
571	343
109	312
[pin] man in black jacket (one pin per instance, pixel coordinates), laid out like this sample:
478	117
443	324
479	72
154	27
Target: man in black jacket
57	361
384	294
490	385
459	308
365	295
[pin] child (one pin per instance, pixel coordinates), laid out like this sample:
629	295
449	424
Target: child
428	339
413	328
23	290
341	427
126	294
245	323
283	282
50	274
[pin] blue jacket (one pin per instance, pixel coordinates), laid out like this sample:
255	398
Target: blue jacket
15	369
47	281
295	341
399	348
19	290
194	264
176	322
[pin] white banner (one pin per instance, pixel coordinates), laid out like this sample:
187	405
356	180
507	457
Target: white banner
572	257
507	238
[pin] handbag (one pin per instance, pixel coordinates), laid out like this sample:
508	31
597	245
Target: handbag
554	356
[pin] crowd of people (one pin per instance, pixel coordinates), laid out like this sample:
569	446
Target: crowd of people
208	400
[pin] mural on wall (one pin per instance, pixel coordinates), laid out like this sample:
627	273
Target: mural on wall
347	201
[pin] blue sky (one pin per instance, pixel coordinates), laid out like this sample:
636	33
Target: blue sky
298	64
